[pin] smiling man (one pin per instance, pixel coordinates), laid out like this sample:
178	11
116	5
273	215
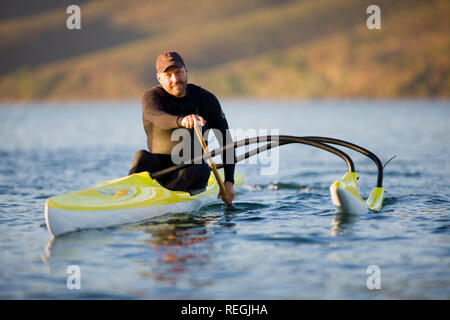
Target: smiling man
174	104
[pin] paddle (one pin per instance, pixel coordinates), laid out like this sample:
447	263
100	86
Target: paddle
211	163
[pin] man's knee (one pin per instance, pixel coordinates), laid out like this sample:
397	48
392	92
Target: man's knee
141	154
139	158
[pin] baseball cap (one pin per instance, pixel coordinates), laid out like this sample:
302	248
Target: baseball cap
168	59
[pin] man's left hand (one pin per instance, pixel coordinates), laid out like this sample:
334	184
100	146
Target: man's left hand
228	198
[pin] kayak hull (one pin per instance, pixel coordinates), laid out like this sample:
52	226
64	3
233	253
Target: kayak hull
131	199
60	221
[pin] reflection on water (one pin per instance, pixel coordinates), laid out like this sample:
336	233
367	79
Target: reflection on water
179	230
172	243
47	251
342	223
177	243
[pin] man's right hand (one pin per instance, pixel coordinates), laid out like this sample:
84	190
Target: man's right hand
192	120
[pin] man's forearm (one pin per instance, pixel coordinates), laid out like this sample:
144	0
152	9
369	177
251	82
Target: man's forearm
229	172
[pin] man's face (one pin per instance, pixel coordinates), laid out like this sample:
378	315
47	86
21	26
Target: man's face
174	80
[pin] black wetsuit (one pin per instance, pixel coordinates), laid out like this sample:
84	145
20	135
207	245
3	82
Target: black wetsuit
161	114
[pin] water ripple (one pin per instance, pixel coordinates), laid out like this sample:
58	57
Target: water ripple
289	239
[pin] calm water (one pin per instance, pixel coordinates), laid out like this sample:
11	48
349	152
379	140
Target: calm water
282	238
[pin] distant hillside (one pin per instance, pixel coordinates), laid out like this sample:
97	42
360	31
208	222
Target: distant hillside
235	48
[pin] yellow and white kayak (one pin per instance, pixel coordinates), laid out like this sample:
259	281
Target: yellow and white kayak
139	197
130	199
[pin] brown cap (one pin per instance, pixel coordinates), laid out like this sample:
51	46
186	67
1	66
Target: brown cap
168	59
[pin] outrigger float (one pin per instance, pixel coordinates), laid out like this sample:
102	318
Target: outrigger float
140	197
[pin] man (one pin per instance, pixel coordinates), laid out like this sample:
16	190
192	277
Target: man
176	104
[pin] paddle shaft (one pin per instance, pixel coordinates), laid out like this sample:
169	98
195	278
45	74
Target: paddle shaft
210	161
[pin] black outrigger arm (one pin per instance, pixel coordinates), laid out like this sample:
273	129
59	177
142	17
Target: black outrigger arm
344	191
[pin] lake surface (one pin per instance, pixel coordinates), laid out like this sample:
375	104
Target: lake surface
282	239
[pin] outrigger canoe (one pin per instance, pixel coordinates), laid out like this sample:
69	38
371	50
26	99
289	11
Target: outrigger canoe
140	197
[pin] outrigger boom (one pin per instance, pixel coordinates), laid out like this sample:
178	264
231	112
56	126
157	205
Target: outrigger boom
344	192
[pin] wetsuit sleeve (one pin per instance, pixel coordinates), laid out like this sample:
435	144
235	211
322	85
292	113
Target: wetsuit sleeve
217	120
152	111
